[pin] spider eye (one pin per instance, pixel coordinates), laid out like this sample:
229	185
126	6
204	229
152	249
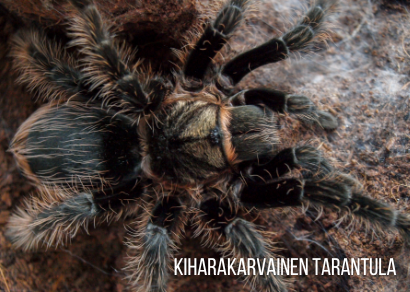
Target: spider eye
215	136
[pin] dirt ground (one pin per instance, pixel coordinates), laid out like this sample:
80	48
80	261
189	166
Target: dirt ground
362	76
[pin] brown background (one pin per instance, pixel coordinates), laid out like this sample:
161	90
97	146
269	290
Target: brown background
362	76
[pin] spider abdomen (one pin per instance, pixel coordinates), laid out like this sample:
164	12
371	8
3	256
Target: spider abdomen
76	145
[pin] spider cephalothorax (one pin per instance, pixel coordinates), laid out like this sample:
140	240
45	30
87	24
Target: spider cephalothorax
199	138
114	143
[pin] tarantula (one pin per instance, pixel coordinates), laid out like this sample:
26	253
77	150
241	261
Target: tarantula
116	142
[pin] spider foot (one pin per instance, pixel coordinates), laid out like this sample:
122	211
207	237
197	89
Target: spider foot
223	228
50	222
153	245
248	243
326	120
304	32
307	112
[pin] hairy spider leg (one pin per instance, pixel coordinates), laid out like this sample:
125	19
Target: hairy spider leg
279	101
334	190
222	228
213	39
48	70
58	216
154	243
276	49
45	66
105	60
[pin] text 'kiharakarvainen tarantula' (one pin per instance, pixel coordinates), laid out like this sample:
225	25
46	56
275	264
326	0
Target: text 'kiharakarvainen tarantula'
116	142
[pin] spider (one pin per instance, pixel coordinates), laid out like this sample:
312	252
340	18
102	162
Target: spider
115	141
